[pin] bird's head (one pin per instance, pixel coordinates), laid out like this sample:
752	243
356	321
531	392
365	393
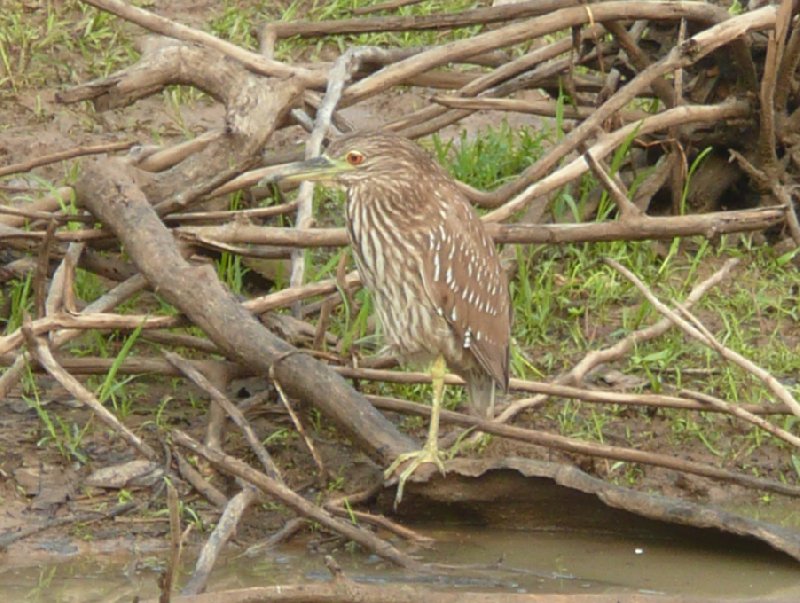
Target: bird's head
355	158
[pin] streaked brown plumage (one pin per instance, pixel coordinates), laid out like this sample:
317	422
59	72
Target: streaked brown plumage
434	272
424	253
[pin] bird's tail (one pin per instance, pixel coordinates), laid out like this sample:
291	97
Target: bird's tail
481	388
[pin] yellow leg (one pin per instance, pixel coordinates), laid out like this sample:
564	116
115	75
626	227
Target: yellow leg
430	452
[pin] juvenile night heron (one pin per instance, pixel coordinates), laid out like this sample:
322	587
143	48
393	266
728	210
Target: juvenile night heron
434	272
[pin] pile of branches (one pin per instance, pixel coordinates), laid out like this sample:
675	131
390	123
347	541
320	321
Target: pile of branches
717	80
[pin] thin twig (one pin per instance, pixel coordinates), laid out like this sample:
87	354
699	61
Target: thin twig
79	151
771	382
296	502
558	442
38	347
234	413
744	414
222	533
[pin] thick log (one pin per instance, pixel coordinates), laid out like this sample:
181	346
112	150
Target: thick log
109	192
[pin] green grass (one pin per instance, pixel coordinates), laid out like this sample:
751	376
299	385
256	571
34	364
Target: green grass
38	45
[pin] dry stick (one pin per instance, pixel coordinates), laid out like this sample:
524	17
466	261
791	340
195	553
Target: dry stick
626	208
763	181
520	32
199	483
222	533
742	413
79	151
788	65
768	158
180	340
94	365
390	5
381	521
639	60
545	108
167	578
340	74
48	203
642	228
771	382
297	503
39	348
679	168
159	160
558	442
86	321
42	270
286	297
99	320
624	346
44	215
257	212
289	529
323	474
606	144
653	183
484	82
112	298
166	27
157	366
495	14
558	389
693	50
234	413
60	295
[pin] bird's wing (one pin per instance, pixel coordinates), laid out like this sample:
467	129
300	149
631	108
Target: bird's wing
469	286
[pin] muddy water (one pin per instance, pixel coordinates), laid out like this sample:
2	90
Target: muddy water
533	562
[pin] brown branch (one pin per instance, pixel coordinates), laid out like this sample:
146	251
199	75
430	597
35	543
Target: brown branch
109	300
691	51
638	228
620	349
628	211
166	27
744	414
83	322
574	446
222	533
560	390
771	382
39	348
230	409
545	108
48	203
519	32
496	14
605	145
297	503
78	151
390	5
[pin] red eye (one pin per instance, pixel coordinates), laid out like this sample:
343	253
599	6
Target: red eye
354	158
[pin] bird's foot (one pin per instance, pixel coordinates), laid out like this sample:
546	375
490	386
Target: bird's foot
428	454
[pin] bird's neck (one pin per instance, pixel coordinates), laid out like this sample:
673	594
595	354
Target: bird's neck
406	205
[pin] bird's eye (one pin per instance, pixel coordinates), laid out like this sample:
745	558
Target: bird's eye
354	158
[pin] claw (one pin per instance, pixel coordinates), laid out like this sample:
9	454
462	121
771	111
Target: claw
428	454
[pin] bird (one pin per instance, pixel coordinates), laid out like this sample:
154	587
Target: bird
421	249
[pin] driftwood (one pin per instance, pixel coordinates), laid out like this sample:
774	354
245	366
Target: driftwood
145	203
